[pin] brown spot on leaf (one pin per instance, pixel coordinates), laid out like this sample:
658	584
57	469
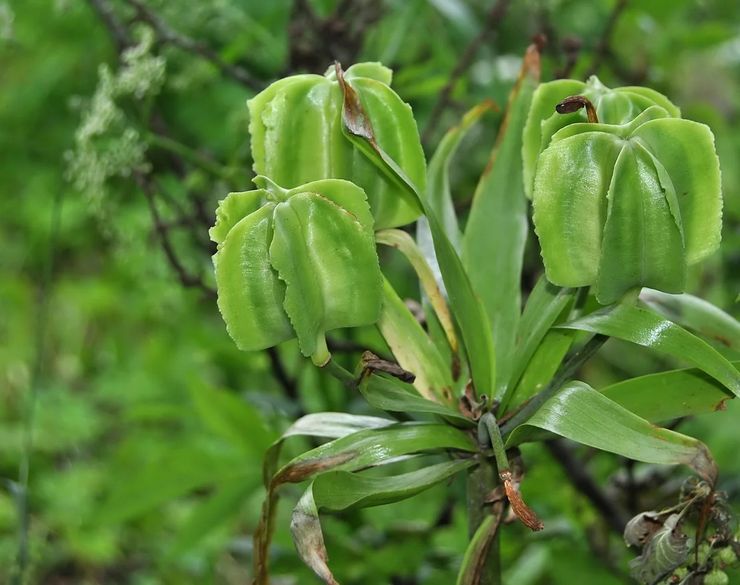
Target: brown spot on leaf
305	469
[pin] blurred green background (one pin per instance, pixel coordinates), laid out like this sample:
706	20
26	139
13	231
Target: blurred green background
141	426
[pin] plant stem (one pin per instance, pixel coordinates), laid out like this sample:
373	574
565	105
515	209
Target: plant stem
561	377
482	480
193	156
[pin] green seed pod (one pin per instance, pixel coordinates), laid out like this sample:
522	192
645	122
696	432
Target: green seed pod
297	137
727	556
611	106
295	263
620	206
716	577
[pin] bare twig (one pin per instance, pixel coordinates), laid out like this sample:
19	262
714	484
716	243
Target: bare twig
167	35
117	30
160	227
603	46
288	384
614	516
492	21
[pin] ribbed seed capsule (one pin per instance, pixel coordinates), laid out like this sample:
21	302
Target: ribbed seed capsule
296	263
296	131
629	201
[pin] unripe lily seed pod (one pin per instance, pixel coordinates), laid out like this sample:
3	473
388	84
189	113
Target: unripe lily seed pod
296	263
296	131
628	199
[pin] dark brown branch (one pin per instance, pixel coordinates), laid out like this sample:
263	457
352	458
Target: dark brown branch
614	516
281	375
492	21
603	46
186	279
167	35
117	30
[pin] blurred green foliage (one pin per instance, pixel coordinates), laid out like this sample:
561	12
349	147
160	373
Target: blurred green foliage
143	425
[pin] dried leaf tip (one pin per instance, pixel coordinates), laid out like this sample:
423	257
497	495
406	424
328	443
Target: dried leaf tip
523	512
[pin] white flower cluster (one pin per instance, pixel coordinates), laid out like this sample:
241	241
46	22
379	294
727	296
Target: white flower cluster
106	143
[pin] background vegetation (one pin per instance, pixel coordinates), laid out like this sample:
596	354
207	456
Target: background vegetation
131	428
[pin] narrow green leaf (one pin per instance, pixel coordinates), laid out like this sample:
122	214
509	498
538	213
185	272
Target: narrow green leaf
232	418
340	490
465	305
438	182
413	348
544	306
670	395
219	509
696	314
324	424
403	242
580	413
374	447
643	327
496	232
170	476
393	395
542	366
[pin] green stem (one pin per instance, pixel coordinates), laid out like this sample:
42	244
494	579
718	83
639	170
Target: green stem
561	377
488	430
482	480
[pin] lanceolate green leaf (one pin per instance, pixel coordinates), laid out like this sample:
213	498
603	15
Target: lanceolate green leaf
324	424
465	304
406	245
696	314
341	490
393	395
542	366
438	181
580	413
493	244
544	307
670	395
643	327
413	348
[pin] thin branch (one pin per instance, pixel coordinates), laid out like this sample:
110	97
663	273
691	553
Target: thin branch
613	515
603	46
492	21
167	35
117	30
281	375
160	227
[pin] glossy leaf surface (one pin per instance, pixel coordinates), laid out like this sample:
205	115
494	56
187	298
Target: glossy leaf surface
413	348
295	125
645	328
340	490
670	395
464	303
493	244
580	413
696	314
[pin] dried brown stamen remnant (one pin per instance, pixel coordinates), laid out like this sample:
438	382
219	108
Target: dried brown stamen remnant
574	103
